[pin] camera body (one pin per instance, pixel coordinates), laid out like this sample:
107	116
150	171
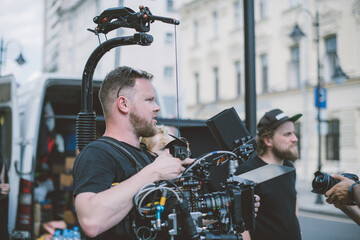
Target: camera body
322	182
187	209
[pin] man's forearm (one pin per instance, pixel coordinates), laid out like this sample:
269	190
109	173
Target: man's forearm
99	212
356	194
352	211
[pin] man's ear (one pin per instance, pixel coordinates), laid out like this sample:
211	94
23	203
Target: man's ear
123	104
268	141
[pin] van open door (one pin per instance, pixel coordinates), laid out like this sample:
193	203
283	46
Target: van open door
10	142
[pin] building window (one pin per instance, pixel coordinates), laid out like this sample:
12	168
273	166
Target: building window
237	14
294	68
238	77
196	32
333	140
197	87
170	105
215	23
216	78
6	133
263	9
168	73
331	47
170	5
168	38
264	73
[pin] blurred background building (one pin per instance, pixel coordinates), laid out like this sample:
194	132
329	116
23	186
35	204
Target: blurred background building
68	44
211	63
286	70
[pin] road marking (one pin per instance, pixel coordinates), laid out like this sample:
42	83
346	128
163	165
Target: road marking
326	217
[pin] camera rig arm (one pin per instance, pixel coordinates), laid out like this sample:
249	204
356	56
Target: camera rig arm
114	18
109	20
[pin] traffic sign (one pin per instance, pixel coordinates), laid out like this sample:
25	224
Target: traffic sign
322	94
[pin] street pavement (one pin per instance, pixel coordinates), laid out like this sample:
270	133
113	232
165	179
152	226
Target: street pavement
308	201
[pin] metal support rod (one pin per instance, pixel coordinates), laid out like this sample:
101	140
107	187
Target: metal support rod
249	61
319	85
296	35
119	33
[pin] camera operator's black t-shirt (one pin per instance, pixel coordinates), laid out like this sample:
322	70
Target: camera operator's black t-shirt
99	165
276	218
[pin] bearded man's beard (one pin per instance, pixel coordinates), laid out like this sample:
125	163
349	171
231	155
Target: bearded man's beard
286	154
142	127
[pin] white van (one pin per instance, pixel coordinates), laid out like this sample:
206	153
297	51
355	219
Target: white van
37	143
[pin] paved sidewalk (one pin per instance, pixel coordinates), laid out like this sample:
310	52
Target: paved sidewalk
307	201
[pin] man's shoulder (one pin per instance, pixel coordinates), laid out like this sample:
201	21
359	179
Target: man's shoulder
288	163
106	144
252	163
98	150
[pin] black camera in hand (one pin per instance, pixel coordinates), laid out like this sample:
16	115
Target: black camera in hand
323	182
179	147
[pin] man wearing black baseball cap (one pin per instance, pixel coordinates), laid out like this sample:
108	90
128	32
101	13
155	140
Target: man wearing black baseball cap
277	144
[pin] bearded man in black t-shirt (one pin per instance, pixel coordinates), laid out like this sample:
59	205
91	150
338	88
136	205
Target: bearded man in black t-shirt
277	144
128	101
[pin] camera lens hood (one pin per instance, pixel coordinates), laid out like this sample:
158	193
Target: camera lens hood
321	183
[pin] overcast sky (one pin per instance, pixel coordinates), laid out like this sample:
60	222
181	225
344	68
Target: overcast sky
21	23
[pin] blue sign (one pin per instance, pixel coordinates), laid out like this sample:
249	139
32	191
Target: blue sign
322	95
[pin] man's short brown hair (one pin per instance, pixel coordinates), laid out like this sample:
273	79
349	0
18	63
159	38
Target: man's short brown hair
261	146
120	78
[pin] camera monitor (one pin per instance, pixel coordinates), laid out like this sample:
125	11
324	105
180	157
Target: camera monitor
201	142
200	138
227	128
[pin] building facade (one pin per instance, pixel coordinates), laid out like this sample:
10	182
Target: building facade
286	70
68	44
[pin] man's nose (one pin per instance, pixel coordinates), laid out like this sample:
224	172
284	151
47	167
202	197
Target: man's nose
157	107
295	138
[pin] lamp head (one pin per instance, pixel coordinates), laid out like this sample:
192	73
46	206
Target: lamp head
20	59
296	33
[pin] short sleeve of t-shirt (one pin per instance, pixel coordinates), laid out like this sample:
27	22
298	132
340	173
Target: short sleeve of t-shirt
99	165
93	170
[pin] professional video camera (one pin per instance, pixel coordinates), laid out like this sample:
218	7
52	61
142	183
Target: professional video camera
322	182
183	208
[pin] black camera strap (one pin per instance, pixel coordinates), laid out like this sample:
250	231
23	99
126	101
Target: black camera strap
123	150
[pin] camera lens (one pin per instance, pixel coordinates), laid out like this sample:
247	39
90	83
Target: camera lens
212	202
323	182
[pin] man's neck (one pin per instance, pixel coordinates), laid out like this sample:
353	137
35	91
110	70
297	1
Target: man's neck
269	158
121	132
129	139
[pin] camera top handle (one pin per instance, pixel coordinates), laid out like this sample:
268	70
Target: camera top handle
114	18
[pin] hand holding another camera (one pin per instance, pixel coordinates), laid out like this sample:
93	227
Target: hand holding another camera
339	193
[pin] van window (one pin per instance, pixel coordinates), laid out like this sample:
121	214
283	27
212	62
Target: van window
5	135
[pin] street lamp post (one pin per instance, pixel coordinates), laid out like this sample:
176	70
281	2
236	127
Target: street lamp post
296	35
3	49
